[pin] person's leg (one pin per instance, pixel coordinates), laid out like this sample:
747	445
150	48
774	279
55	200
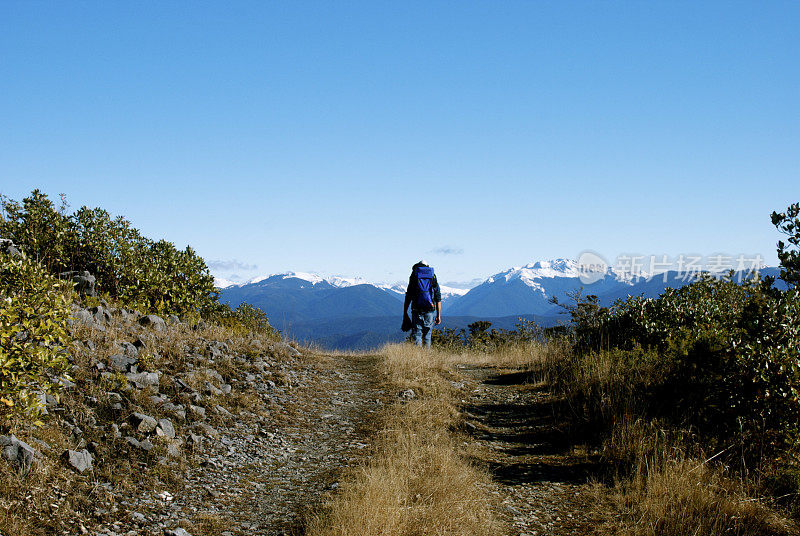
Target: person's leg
427	327
416	327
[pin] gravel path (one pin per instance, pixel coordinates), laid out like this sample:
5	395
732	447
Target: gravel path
259	479
542	483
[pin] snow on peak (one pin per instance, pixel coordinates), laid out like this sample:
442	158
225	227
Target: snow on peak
397	288
337	281
312	278
447	292
221	283
539	270
305	276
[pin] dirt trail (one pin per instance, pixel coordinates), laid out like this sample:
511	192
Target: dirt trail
258	480
543	484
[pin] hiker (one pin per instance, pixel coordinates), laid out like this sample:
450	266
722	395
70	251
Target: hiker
425	298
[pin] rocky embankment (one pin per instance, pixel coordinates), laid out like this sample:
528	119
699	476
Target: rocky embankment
166	427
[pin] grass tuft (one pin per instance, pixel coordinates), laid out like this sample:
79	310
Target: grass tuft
416	481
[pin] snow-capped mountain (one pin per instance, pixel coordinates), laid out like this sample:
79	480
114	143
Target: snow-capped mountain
338	311
334	281
529	289
304	278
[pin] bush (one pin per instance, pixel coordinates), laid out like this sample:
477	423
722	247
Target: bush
33	337
788	223
133	270
246	318
483	339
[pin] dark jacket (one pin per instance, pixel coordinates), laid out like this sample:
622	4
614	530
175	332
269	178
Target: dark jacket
413	287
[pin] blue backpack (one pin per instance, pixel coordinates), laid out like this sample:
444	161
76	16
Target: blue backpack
424	298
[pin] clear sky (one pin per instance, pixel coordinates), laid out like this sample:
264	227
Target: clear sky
353	138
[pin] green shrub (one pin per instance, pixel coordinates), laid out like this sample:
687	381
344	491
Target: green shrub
246	318
133	270
33	337
483	339
448	339
732	352
788	223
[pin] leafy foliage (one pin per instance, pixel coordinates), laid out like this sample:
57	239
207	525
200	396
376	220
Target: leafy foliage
247	318
788	223
33	337
482	338
130	268
732	355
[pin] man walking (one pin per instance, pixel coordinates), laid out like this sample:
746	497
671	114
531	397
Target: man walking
425	298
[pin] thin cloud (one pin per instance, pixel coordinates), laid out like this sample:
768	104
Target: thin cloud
448	250
232	264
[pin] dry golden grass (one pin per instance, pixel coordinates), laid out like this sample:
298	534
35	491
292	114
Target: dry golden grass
669	493
415	482
665	483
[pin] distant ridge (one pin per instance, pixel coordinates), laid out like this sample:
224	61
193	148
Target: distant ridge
335	311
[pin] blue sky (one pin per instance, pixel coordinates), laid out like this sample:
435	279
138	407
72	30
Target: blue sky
353	138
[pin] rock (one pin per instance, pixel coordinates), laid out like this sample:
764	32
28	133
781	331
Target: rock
83	316
101	314
207	430
143	379
155	322
8	247
181	385
128	316
165	428
194	440
122	362
173	319
129	349
284	348
66	383
175	409
138	517
177	532
217	349
174	449
222	411
80	460
42	398
17	452
214	374
408	394
143	423
85	283
145	445
197	412
115	431
226	389
211	389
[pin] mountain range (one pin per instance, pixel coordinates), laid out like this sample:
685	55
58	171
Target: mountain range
353	314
